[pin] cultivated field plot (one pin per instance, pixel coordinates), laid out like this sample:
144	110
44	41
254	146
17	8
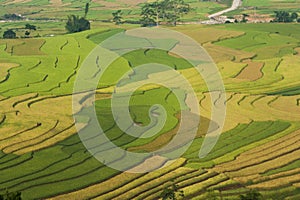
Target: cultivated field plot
43	157
99	9
273	4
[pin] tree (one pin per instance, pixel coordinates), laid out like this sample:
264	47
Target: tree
30	27
158	9
76	24
9	34
27	33
251	195
170	10
86	10
244	20
117	17
148	15
294	16
12	17
282	16
176	9
171	192
11	196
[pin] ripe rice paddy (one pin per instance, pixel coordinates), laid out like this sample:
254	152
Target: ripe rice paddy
42	155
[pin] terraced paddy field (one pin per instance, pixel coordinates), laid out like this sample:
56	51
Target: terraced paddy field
99	9
43	157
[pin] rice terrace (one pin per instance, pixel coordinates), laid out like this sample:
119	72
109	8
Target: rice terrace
148	73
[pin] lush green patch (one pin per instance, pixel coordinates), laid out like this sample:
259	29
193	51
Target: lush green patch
291	91
234	139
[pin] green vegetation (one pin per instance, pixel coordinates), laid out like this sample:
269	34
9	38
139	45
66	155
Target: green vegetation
9	34
43	157
77	24
239	137
117	17
283	16
171	193
170	11
10	196
12	17
30	27
251	195
269	6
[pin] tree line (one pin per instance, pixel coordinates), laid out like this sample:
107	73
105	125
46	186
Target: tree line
168	11
284	16
11	195
11	34
77	24
160	11
152	14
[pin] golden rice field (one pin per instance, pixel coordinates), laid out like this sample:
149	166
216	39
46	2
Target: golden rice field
42	155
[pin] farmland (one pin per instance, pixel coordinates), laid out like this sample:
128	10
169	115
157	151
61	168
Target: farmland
100	9
44	156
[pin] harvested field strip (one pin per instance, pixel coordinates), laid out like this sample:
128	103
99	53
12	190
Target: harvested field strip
2	119
277	107
101	188
5	70
41	136
154	185
265	151
279	175
29	47
252	72
24	100
46	141
6	75
19	133
200	187
253	132
155	191
23	144
262	167
10	45
144	179
220	54
287	167
278	182
262	158
289	137
230	184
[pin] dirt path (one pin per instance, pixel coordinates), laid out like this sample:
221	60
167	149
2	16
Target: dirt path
235	5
